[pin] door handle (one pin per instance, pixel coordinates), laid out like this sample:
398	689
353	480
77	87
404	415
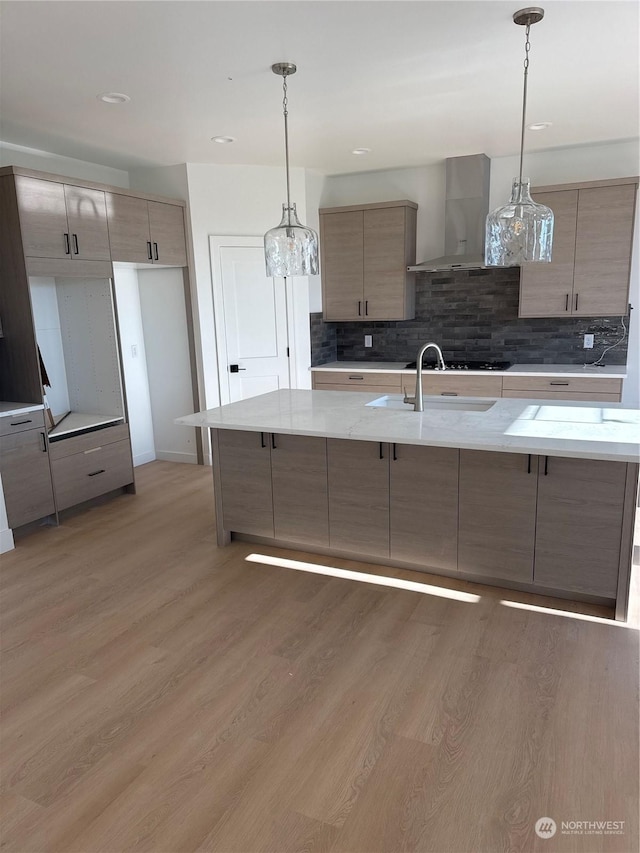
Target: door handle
67	245
76	250
155	252
44	442
234	368
149	252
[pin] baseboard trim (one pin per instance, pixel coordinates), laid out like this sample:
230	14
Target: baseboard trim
143	458
6	541
172	456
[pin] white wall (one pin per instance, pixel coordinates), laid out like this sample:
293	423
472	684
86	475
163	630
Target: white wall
46	320
314	189
134	362
44	161
166	343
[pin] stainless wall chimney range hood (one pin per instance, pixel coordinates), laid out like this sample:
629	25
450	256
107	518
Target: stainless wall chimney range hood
465	211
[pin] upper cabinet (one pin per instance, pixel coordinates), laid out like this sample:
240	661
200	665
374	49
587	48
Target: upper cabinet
146	232
61	220
589	273
365	251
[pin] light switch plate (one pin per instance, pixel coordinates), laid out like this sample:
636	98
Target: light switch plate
368	340
588	342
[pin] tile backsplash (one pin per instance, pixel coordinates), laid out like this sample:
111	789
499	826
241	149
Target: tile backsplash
471	314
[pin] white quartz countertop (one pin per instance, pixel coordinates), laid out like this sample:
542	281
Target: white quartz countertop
570	428
10	410
616	371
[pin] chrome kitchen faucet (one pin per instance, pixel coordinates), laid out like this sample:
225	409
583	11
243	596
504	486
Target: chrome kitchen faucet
417	400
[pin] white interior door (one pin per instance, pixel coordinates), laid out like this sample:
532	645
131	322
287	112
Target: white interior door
251	320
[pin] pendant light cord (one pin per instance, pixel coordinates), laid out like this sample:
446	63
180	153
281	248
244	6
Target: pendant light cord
527	47
286	143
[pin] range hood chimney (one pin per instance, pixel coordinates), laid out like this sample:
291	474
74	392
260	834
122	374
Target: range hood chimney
465	211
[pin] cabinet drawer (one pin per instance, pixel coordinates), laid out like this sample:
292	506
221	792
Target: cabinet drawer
26	478
563	395
89	441
86	475
355	379
20	423
454	385
590	384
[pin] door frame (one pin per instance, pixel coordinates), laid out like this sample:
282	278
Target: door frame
296	306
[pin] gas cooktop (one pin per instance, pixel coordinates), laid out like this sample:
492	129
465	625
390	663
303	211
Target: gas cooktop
463	365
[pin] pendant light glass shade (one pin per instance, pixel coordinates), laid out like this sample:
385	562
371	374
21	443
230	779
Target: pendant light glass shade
520	231
291	248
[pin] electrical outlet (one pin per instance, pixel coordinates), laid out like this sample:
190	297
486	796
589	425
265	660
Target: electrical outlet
588	342
368	340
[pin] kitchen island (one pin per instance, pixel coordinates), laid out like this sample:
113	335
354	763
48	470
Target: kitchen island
533	495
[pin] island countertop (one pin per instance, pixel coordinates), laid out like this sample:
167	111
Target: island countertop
570	428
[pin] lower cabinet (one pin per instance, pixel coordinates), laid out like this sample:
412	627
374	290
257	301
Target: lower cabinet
358	496
24	466
579	524
245	482
299	480
424	505
497	514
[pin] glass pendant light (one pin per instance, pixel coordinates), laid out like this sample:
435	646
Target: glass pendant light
291	248
521	230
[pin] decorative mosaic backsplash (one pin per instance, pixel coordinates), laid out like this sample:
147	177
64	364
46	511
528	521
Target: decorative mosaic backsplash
471	314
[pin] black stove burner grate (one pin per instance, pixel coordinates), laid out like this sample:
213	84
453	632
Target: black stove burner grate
463	365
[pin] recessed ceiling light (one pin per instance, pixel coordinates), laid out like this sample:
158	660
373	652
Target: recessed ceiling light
539	125
223	140
114	98
361	151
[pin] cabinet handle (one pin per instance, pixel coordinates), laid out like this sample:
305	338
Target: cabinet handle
149	252
273	441
359	308
95	473
67	245
448	393
381	453
566	302
44	443
546	466
366	307
262	441
356	377
529	465
155	252
76	250
17	423
395	452
558	383
576	308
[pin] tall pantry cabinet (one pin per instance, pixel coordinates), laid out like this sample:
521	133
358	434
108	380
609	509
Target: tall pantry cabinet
59	241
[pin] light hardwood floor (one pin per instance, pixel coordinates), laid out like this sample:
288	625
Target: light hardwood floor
160	694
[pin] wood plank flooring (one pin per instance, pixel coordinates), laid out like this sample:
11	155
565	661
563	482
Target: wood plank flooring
161	694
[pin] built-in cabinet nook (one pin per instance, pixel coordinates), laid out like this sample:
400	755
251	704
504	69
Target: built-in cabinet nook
65	423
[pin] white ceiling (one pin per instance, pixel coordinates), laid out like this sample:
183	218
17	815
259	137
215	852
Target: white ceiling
414	81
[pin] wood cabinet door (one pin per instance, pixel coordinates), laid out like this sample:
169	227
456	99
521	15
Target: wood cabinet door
87	219
358	496
245	482
128	219
603	250
546	290
43	218
384	263
300	502
26	478
166	223
424	505
497	514
342	247
579	524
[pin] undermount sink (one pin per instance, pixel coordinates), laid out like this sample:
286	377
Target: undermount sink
396	401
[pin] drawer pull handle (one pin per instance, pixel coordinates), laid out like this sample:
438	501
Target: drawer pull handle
448	393
566	302
155	252
17	423
356	377
76	250
529	465
149	252
67	245
273	441
395	452
381	453
95	473
92	450
558	383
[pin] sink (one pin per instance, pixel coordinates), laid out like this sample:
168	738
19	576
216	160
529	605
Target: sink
396	401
